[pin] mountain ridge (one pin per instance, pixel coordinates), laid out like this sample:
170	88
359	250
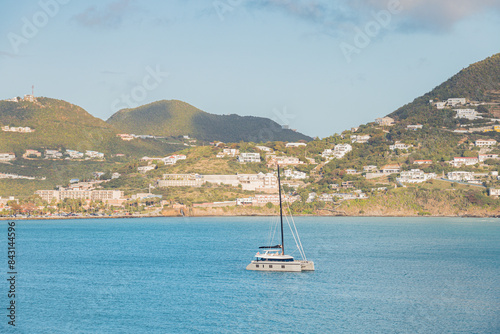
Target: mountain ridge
175	118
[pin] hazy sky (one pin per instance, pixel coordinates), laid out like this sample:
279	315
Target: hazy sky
319	66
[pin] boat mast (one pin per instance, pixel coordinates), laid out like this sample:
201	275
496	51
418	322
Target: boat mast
281	214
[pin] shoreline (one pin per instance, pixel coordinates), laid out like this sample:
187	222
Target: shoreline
252	215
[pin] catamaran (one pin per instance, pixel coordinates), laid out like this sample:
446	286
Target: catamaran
273	258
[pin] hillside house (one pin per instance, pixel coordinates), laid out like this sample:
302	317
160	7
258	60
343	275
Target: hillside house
94	154
32	153
440	105
7	157
295	175
422	162
52	154
172	160
484	157
74	154
391	169
415	176
460	176
295	144
361	139
228	152
145	169
467	161
414	127
485	142
283	161
341	149
494	192
248	157
469	114
125	136
385	121
264	148
456	101
399	146
22	129
181	180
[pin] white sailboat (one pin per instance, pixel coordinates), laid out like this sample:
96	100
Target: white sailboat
273	258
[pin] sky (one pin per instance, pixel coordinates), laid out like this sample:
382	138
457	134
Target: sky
318	66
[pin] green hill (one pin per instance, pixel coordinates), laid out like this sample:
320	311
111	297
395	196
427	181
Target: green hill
59	124
478	82
174	118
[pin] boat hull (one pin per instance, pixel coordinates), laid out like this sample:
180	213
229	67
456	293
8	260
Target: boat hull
291	266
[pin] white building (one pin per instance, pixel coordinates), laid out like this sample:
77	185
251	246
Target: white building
484	157
7	156
172	160
264	148
456	101
94	195
494	192
295	144
399	146
361	139
414	127
145	169
74	154
94	154
467	161
228	152
440	105
295	175
469	114
181	180
21	129
415	176
460	176
341	149
53	154
385	121
390	169
248	157
485	142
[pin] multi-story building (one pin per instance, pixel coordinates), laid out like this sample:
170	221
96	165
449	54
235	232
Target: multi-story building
249	157
485	142
181	180
460	176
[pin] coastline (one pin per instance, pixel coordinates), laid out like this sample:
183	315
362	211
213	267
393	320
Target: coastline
242	215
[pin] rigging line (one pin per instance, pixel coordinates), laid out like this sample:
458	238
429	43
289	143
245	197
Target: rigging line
293	235
298	243
298	236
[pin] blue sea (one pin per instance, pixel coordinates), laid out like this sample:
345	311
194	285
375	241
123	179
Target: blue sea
187	275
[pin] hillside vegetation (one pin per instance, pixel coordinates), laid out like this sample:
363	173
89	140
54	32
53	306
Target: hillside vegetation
62	125
174	118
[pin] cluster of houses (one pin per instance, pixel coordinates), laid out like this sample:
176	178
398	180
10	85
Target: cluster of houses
449	103
27	97
339	151
252	182
170	160
68	154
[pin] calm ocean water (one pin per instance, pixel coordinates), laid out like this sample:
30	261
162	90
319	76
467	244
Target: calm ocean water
176	275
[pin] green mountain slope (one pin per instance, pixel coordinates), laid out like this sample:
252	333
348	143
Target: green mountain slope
478	82
59	124
174	118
